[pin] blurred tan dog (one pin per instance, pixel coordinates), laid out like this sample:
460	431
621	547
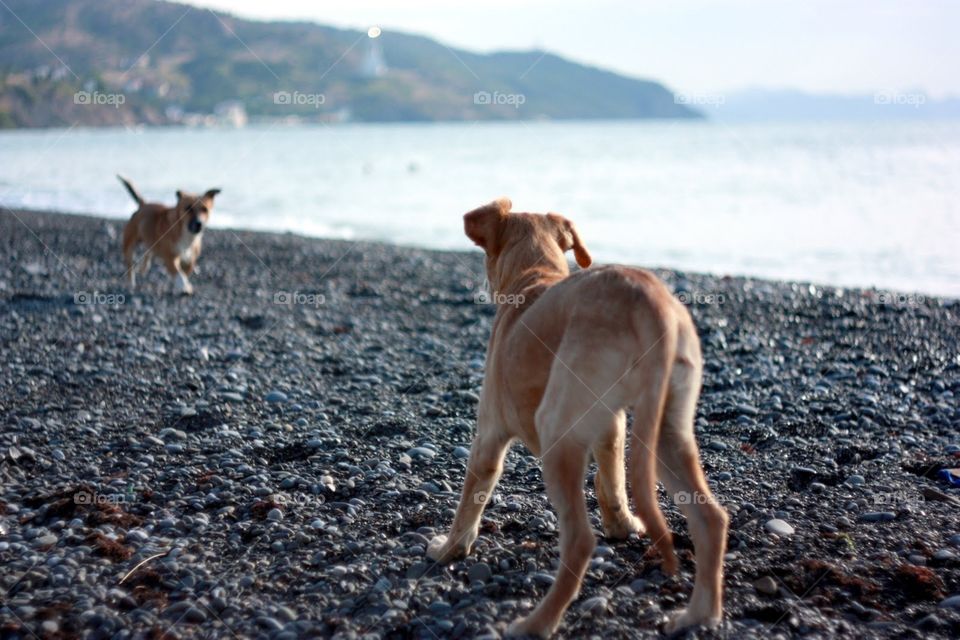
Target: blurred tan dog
565	360
173	234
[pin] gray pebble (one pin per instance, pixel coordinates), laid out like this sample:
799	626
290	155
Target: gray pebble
421	453
766	585
479	572
270	624
779	527
276	397
878	516
596	605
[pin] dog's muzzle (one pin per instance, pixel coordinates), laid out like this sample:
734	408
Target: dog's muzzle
195	226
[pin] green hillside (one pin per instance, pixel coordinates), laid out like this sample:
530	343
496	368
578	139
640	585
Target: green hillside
144	61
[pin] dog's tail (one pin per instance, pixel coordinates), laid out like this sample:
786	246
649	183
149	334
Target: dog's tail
131	190
655	369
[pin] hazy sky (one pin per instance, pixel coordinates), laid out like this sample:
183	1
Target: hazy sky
844	46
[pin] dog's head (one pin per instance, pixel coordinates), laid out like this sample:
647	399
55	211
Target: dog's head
515	242
193	211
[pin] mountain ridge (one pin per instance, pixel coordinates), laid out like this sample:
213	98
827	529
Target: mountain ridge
201	61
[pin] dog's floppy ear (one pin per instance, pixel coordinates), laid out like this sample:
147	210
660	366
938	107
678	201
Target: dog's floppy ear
211	193
570	239
482	225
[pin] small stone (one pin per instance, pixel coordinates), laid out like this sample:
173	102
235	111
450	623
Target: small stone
276	396
747	410
270	624
595	606
942	555
639	585
779	527
543	579
953	602
878	516
930	621
416	570
855	481
461	453
440	608
275	515
230	396
137	535
766	585
479	572
421	453
194	615
47	540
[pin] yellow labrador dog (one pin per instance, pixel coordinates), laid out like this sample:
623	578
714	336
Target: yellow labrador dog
567	356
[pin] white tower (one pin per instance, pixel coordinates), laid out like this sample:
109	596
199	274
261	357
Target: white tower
373	65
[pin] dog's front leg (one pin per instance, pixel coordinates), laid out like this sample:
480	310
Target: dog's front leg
180	283
483	471
145	263
189	263
564	465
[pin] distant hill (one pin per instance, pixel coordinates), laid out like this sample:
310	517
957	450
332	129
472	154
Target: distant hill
790	105
145	61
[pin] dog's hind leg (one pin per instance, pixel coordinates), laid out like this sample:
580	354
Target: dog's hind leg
682	476
652	376
483	470
618	521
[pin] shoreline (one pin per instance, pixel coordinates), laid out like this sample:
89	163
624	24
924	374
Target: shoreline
896	295
279	462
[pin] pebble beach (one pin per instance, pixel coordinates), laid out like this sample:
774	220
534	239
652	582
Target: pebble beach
269	457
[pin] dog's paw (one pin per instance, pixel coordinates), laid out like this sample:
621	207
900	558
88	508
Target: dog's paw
680	620
623	527
441	551
182	286
527	627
